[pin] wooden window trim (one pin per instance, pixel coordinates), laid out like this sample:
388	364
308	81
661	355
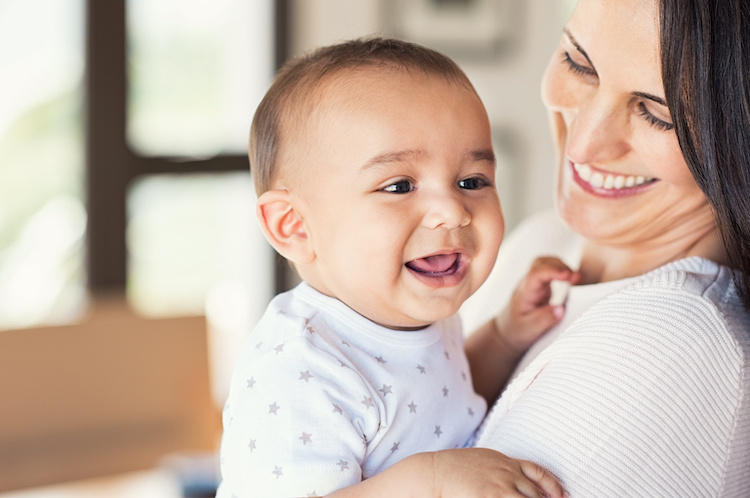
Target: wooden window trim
111	165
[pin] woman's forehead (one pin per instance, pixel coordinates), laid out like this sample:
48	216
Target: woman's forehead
621	39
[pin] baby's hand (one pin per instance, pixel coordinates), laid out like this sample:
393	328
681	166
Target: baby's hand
468	472
488	473
529	313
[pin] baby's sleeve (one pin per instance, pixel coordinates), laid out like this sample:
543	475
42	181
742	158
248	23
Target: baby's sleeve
296	423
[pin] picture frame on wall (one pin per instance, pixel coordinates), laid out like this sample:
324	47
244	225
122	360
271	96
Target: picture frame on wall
463	29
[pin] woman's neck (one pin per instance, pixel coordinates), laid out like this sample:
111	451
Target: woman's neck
605	262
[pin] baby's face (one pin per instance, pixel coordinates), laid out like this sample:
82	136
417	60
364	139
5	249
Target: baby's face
399	198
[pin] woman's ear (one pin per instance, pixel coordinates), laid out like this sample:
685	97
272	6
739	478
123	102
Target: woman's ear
284	227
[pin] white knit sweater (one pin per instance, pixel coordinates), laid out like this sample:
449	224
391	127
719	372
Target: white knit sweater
645	393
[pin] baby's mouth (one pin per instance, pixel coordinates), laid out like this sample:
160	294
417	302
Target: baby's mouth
437	265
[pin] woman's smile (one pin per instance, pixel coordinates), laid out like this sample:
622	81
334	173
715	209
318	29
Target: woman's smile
609	184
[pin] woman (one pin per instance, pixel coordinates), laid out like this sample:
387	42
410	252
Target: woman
644	388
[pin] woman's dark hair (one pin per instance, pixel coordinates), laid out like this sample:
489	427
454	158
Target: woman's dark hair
705	59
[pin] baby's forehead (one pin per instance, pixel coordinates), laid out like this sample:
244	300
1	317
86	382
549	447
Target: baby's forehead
349	87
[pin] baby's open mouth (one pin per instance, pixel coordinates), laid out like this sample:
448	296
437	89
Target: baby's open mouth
437	265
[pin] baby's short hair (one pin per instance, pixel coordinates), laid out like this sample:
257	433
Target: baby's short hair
290	99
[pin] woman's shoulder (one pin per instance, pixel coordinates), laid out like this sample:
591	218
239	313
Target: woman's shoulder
688	305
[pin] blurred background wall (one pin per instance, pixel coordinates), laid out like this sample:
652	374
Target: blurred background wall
130	259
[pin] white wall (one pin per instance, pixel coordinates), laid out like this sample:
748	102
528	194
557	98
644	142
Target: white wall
508	84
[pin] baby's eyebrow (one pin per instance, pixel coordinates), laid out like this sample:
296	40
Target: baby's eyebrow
398	156
402	156
484	155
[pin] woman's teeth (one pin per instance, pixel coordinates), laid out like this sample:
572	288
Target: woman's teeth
609	181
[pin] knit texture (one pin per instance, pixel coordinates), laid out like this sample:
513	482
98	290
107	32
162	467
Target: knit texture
646	393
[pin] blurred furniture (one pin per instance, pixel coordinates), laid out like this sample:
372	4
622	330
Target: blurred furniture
115	393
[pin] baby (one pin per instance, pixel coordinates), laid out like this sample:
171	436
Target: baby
375	172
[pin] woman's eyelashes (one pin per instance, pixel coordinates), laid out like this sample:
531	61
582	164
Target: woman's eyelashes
653	120
576	68
582	70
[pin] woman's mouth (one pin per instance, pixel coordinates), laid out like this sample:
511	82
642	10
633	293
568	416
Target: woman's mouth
608	184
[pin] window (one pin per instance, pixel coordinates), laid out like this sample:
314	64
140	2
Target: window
122	153
42	214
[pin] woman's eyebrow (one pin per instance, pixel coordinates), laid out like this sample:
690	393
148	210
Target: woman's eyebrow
580	49
649	96
577	46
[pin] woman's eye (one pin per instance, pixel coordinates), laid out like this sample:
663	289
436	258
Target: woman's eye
473	183
576	68
653	120
400	187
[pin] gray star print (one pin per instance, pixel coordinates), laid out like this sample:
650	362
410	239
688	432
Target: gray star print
386	390
306	376
437	431
412	407
421	369
273	408
337	409
343	464
250	382
394	447
368	402
277	471
279	348
251	445
305	438
445	391
381	360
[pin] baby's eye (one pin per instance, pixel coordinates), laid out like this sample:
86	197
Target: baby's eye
474	183
400	187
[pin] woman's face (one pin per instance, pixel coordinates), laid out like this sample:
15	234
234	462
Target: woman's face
622	180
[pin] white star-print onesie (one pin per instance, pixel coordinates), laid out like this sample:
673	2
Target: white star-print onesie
322	398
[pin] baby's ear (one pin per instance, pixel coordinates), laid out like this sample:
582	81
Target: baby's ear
283	226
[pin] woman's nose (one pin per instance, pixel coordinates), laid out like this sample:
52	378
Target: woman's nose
445	210
598	130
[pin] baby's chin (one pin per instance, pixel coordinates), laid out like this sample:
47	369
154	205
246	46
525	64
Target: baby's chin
420	321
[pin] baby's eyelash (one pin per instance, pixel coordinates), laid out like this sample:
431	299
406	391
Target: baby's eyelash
402	186
474	183
653	120
577	68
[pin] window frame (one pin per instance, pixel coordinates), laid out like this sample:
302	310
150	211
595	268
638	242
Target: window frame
111	165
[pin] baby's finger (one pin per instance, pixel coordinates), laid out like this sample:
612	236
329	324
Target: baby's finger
543	479
528	489
542	318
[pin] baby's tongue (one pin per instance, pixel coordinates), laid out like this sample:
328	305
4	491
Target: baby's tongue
433	264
